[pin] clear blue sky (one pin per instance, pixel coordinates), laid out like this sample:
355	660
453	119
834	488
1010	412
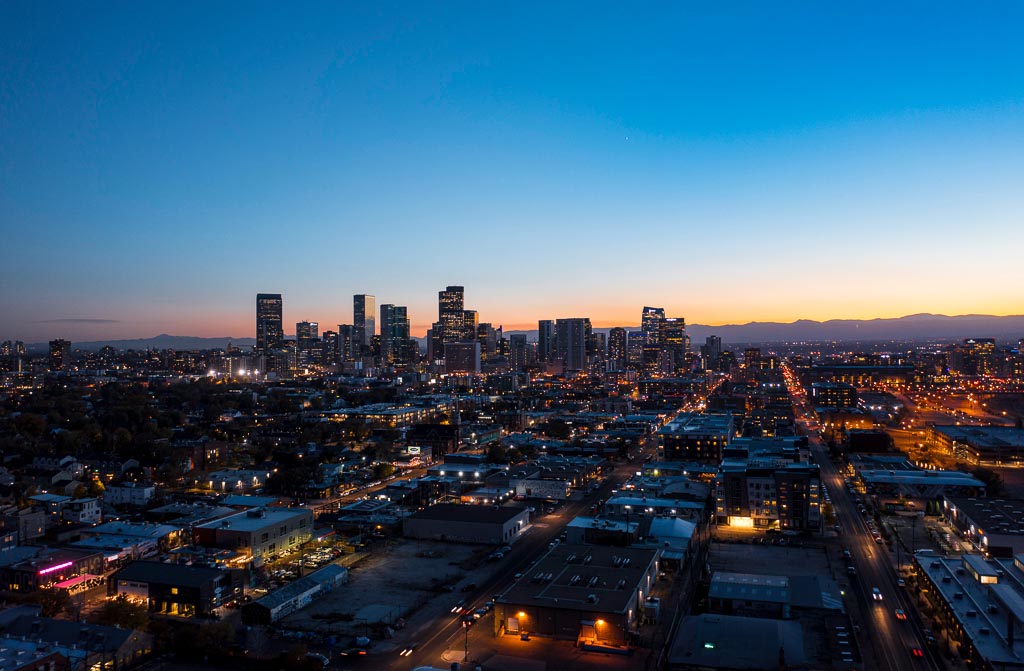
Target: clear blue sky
161	163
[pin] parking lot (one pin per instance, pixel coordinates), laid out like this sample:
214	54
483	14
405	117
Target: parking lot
387	588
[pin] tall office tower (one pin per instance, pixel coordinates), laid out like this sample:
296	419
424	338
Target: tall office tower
329	345
673	340
635	341
451	314
12	356
346	338
545	340
269	325
712	350
364	321
394	333
597	351
571	336
517	351
650	322
617	349
307	334
488	338
307	341
60	352
462	357
435	345
470	322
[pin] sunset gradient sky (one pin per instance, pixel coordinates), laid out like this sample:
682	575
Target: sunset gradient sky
160	164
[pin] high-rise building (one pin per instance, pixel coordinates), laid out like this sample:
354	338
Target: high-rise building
60	352
711	351
307	342
617	348
269	324
307	334
674	341
364	323
462	357
545	340
650	322
571	337
451	314
12	356
518	348
394	333
330	343
488	337
346	343
470	322
636	340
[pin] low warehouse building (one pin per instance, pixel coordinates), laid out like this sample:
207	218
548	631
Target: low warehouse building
176	589
592	594
467	524
295	595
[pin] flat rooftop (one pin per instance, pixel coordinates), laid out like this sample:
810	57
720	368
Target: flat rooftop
168	574
247	521
584	577
453	512
749	586
983	610
991	516
699	424
730	642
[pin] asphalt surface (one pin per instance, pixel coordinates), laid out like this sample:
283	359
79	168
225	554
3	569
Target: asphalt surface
891	639
449	634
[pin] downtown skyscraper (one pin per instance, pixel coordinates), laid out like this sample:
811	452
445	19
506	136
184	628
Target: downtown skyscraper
394	333
364	323
269	328
451	314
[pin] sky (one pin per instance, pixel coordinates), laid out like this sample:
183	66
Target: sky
162	163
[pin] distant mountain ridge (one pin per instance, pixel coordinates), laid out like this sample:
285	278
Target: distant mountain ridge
162	341
911	328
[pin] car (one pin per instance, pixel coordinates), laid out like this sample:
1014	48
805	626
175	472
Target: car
517	576
407	651
353	652
457	607
878	539
901	582
917	652
876	594
900	615
317	657
846	553
505	549
479	613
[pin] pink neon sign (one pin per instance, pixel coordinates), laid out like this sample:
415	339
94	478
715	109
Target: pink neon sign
55	568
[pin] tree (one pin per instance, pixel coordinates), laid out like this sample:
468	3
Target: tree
496	454
53	602
120	612
382	470
992	480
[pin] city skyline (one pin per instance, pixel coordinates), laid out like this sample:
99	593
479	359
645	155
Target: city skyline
777	163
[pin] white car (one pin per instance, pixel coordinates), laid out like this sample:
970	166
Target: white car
876	594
